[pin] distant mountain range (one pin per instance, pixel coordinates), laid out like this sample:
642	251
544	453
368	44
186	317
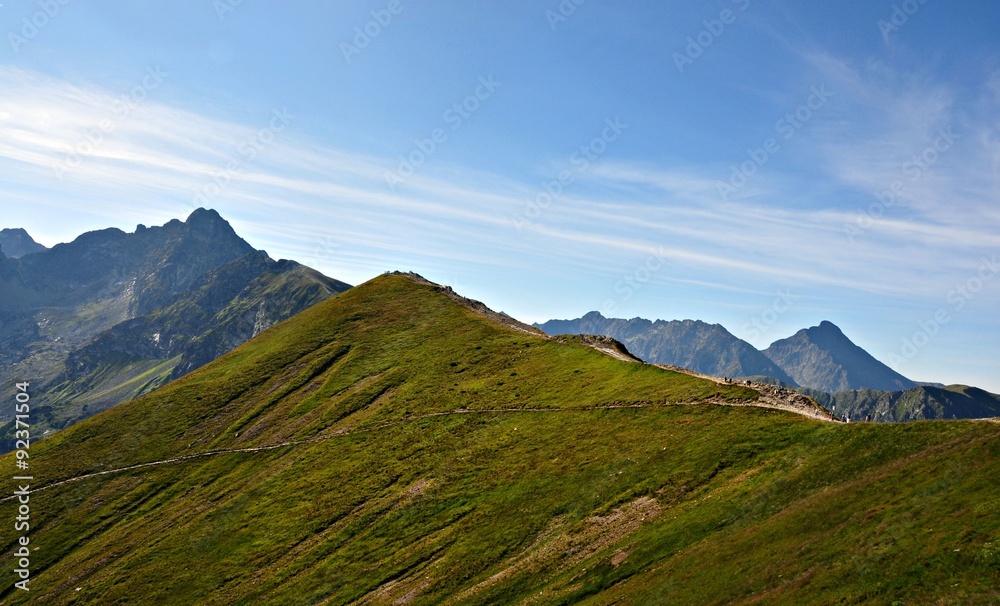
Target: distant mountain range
692	344
113	315
820	361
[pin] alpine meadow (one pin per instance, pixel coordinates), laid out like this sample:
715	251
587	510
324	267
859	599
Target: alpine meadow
395	444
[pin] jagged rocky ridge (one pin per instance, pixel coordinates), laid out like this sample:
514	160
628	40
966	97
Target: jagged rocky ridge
113	315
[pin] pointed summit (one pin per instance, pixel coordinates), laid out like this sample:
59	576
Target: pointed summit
209	223
202	216
16	243
824	358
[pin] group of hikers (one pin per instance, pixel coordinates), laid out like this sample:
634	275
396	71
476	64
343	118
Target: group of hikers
847	418
730	381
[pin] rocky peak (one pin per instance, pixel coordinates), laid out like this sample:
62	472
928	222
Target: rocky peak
209	221
16	243
824	358
827	329
208	226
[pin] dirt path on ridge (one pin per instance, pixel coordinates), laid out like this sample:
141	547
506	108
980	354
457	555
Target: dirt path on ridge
349	431
771	396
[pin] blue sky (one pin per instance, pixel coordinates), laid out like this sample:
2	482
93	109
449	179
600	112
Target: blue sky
761	164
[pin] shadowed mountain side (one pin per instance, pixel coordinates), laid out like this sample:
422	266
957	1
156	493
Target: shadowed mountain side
16	243
823	358
916	404
112	315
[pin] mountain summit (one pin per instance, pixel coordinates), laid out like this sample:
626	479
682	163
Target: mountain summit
16	243
823	358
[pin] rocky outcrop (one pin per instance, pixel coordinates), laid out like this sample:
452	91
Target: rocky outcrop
609	346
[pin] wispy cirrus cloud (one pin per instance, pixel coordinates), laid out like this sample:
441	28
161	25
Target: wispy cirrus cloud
293	192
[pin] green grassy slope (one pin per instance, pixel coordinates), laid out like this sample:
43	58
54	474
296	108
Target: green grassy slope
437	457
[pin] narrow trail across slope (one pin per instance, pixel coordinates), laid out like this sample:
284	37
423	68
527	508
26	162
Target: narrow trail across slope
771	396
351	431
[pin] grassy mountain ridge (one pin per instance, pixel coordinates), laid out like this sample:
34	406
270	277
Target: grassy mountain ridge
418	452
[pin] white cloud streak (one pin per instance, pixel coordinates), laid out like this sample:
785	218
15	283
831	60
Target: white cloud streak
783	228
